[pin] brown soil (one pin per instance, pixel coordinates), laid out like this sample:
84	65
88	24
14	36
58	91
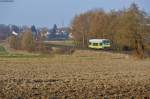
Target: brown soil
83	75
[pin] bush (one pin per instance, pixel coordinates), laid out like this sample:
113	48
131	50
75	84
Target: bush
27	41
14	42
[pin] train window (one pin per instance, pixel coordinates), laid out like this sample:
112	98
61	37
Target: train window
95	44
106	42
100	44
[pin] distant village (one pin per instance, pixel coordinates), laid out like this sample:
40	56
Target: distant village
55	33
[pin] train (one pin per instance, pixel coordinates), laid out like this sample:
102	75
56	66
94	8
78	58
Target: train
99	43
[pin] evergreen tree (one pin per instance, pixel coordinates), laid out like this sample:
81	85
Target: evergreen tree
54	30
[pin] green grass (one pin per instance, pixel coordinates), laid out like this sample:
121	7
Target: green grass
8	54
2	50
23	55
61	43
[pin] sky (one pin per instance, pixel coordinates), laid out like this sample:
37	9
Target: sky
45	13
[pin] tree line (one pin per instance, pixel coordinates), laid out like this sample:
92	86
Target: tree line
28	42
128	29
31	39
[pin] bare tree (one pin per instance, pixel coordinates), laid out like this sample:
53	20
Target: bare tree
27	41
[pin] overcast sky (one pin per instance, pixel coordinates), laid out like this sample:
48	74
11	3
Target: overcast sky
48	12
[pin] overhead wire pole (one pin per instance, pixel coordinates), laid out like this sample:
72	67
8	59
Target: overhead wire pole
134	1
63	23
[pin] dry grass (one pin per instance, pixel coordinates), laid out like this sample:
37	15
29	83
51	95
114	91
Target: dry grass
85	74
